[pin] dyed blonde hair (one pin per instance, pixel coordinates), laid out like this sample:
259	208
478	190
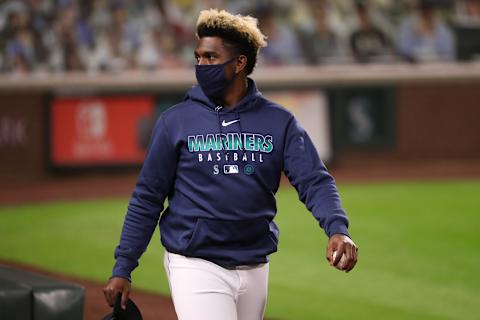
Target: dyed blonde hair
242	31
245	26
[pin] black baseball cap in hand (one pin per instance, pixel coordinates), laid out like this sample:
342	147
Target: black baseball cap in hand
131	311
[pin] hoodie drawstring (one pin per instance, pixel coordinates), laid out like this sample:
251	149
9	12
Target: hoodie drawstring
217	109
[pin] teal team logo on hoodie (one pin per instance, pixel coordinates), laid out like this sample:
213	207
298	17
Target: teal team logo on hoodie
249	169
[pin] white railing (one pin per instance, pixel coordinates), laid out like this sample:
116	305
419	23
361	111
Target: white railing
271	77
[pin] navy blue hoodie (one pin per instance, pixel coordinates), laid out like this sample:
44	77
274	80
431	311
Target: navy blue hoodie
220	169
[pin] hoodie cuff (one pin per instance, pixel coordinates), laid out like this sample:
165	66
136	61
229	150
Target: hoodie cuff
338	227
123	269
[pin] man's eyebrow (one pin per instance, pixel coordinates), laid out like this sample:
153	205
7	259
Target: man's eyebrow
211	53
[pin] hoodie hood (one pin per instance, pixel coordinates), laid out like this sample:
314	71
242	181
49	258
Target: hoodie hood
196	94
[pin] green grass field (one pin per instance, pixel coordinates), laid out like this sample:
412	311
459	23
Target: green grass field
419	251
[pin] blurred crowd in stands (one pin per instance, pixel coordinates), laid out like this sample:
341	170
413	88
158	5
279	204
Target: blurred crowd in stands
117	35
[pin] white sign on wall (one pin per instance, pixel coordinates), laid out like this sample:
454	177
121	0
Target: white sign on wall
310	108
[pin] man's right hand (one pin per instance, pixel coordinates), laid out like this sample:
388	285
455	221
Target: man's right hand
114	286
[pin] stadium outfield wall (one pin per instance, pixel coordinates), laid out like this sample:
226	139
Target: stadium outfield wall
390	112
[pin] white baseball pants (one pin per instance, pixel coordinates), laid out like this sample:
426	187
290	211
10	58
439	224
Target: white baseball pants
202	290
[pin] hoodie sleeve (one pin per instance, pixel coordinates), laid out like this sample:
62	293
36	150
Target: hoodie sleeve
153	185
315	186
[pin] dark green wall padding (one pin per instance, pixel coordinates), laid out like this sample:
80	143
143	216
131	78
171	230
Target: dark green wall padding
28	296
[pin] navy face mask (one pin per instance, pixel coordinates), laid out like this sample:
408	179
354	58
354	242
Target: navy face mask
212	80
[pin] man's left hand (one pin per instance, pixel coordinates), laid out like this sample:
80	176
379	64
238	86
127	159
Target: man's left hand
341	244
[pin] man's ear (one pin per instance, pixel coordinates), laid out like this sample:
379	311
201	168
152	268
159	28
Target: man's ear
241	63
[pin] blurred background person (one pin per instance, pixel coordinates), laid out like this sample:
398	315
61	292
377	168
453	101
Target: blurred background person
119	43
283	46
318	40
467	30
424	37
73	36
368	42
20	43
161	49
468	12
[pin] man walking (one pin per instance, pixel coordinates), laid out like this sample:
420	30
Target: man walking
218	157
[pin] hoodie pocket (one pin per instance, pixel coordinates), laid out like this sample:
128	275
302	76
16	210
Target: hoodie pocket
250	238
